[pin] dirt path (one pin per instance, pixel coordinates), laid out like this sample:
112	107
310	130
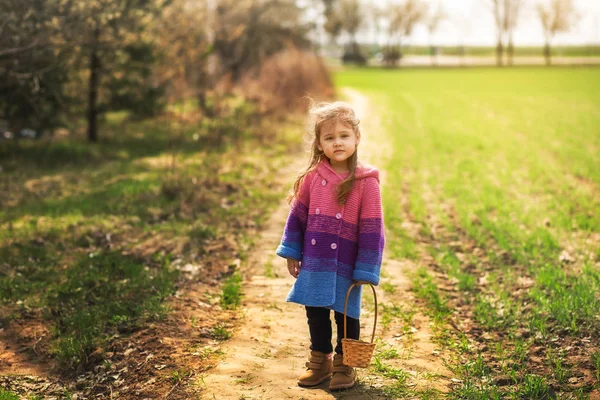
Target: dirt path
267	353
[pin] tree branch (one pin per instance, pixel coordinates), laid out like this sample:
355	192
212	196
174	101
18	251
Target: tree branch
8	52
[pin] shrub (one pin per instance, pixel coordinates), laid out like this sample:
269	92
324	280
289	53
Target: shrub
285	79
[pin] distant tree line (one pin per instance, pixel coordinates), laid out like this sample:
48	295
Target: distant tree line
397	20
64	59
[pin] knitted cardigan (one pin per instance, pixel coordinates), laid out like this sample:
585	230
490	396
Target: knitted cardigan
336	244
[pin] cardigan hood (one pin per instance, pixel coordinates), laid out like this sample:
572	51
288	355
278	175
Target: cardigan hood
362	171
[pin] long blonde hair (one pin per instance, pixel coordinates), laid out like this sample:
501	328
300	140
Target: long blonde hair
324	114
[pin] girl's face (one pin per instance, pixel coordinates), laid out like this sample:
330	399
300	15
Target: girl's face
339	142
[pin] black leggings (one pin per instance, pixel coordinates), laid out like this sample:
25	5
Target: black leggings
319	325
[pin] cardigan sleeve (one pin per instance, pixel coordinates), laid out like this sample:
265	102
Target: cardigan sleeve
370	234
295	226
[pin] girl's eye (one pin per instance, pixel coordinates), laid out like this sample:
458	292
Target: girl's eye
327	138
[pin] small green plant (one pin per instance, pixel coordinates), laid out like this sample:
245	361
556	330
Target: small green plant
6	395
179	375
398	374
425	288
428	394
269	273
245	379
203	232
476	368
559	370
205	352
596	364
67	395
231	296
400	385
220	332
396	390
387	354
471	390
520	350
535	388
388	288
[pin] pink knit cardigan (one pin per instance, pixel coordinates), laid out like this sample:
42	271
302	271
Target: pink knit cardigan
336	243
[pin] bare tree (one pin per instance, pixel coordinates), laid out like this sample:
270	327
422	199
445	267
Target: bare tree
377	14
403	19
506	15
351	20
557	16
333	24
498	10
512	9
433	22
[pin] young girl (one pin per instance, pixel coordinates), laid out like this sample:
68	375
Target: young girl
333	236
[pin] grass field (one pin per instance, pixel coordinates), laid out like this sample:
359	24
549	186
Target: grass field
557	51
500	170
93	237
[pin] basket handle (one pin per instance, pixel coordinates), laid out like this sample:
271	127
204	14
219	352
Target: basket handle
358	283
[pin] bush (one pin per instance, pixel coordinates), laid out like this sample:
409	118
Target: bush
285	79
354	58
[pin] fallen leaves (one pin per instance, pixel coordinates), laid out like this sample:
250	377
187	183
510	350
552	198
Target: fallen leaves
565	257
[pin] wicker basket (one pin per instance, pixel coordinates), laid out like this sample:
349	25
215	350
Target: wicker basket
356	352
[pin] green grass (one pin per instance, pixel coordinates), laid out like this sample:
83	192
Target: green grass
426	289
6	395
231	295
107	293
91	235
507	162
220	332
561	51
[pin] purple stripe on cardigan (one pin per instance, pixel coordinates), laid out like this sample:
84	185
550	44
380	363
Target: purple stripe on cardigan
370	225
349	230
345	271
345	249
370	257
294	224
300	211
292	236
325	223
371	241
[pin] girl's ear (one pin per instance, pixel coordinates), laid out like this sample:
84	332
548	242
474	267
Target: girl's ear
357	138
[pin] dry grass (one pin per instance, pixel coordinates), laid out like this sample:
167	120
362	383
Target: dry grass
284	80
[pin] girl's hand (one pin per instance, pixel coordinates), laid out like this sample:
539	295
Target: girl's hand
293	267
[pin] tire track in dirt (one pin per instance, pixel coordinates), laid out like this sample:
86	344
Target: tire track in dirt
267	352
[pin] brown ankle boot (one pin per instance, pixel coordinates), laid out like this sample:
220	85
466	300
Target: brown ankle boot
344	377
319	368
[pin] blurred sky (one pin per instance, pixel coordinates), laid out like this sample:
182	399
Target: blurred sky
470	22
